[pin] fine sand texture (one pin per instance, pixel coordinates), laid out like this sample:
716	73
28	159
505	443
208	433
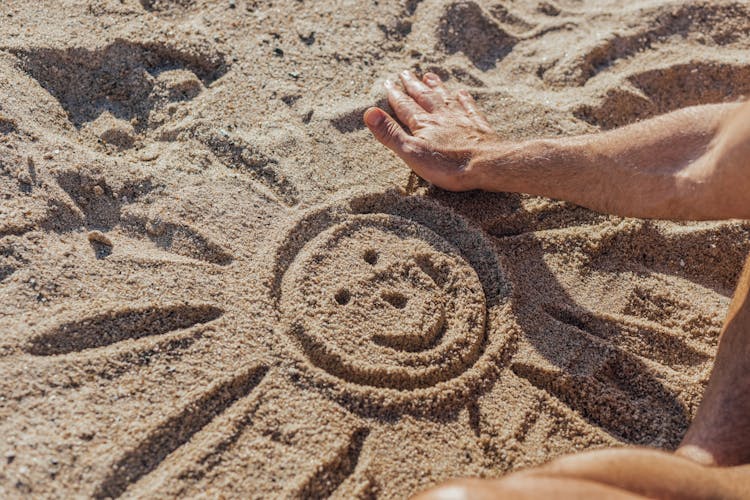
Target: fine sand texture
215	283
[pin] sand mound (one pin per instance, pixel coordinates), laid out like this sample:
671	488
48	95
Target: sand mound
213	282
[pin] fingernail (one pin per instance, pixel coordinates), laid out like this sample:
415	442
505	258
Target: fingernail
388	84
432	77
406	73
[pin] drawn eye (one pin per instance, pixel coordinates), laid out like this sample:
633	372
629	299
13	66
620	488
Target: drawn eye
370	256
343	296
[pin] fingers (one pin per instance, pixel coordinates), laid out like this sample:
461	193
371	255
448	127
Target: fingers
468	103
448	99
426	96
389	133
406	109
436	84
420	92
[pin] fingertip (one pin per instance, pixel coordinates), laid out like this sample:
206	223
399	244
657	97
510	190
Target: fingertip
467	96
377	121
387	130
431	78
410	80
374	117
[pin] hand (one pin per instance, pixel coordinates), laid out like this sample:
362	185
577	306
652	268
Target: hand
447	131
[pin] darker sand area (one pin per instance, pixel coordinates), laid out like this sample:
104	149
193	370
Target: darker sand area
215	283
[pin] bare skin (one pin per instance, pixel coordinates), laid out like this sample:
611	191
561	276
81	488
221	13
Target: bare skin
690	164
668	167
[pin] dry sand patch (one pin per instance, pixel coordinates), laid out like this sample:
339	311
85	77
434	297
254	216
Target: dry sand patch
213	282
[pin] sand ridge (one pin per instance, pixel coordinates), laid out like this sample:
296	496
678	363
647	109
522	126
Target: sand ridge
213	282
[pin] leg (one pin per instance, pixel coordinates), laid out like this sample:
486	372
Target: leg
629	473
720	432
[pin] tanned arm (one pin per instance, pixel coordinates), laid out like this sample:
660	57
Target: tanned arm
689	164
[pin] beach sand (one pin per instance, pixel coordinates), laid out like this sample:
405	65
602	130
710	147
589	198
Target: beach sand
215	283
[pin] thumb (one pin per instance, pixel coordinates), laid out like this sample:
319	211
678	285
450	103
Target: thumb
389	132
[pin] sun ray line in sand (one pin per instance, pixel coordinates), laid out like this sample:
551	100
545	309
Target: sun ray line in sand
609	388
119	325
106	212
177	430
644	338
331	445
337	467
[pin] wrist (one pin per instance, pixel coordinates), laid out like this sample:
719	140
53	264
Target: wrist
484	170
516	167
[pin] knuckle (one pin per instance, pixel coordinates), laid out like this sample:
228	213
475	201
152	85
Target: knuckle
392	129
404	100
422	119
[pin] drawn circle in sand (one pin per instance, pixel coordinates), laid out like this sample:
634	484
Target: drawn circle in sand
392	298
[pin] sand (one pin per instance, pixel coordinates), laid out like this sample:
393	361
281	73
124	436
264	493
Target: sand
215	283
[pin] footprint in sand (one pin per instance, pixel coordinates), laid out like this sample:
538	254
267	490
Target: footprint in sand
117	93
123	94
105	210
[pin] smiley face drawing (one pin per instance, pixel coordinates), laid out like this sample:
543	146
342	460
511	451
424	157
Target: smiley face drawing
381	303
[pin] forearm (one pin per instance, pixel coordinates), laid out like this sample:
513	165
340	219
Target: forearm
658	168
689	164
